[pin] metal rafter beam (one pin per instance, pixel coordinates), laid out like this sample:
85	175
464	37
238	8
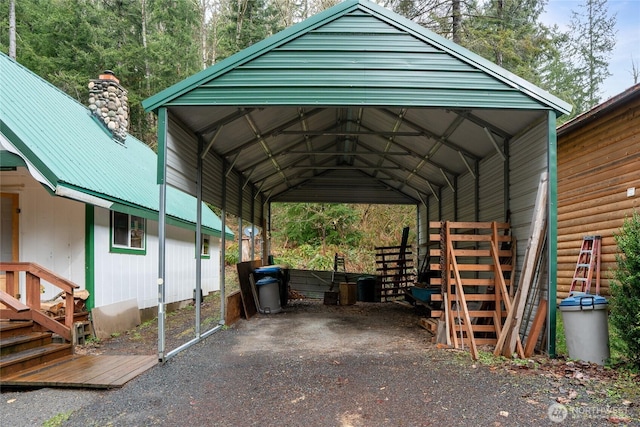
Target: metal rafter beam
433	135
224	121
390	140
417	155
483	123
264	145
275	131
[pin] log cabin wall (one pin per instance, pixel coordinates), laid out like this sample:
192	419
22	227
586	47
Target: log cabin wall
598	166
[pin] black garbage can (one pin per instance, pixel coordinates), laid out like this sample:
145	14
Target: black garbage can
366	289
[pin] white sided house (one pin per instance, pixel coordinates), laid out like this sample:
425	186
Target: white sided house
80	198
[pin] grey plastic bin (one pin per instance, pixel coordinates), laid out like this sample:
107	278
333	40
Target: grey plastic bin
586	327
269	295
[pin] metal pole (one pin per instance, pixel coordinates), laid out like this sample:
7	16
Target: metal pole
253	240
223	241
162	210
552	229
241	190
198	290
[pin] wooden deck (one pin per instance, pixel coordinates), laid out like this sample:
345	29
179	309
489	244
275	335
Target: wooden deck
83	371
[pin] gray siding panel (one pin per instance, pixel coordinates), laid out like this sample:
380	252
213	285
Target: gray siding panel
466	196
491	184
181	158
448	208
528	160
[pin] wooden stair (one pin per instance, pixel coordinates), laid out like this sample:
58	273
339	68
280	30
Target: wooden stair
22	347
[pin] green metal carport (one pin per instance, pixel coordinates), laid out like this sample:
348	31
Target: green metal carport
360	105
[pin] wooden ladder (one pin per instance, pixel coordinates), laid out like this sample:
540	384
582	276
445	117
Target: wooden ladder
338	269
588	260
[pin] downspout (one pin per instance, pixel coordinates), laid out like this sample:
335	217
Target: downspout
89	255
552	238
162	211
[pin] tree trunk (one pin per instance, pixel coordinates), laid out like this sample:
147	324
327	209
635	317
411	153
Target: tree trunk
455	21
12	29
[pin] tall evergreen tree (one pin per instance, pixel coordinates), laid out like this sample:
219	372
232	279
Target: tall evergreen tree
247	22
508	33
593	37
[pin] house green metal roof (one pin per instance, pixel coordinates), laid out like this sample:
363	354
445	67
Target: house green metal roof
357	53
72	152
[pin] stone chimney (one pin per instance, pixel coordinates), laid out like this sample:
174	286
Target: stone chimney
109	103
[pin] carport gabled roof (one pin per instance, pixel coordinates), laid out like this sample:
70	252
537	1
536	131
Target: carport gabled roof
357	52
356	97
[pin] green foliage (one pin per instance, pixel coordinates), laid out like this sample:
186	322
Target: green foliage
561	340
231	254
57	420
316	224
625	288
353	232
244	23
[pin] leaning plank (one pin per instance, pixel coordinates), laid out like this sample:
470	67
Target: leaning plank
507	340
462	302
248	301
233	308
538	323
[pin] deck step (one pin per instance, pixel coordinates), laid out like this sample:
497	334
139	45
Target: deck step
10	328
16	362
18	343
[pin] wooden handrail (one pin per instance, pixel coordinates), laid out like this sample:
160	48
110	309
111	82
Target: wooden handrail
12	303
40	271
34	273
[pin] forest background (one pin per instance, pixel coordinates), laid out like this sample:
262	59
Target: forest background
152	44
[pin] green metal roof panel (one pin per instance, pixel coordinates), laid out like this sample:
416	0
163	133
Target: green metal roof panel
60	137
357	53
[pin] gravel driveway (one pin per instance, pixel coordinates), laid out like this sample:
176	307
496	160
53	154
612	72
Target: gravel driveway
315	365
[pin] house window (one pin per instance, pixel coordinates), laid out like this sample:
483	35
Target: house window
205	246
128	233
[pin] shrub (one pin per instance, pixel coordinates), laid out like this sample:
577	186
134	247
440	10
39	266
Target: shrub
625	288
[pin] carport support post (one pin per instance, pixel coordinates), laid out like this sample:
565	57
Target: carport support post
553	231
162	211
223	240
198	290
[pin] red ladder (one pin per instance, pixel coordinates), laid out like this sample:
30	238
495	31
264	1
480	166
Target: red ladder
588	260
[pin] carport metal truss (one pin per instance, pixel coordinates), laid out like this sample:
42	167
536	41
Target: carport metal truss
328	154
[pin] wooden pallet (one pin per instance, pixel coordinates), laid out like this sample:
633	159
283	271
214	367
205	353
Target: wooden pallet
476	277
394	267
